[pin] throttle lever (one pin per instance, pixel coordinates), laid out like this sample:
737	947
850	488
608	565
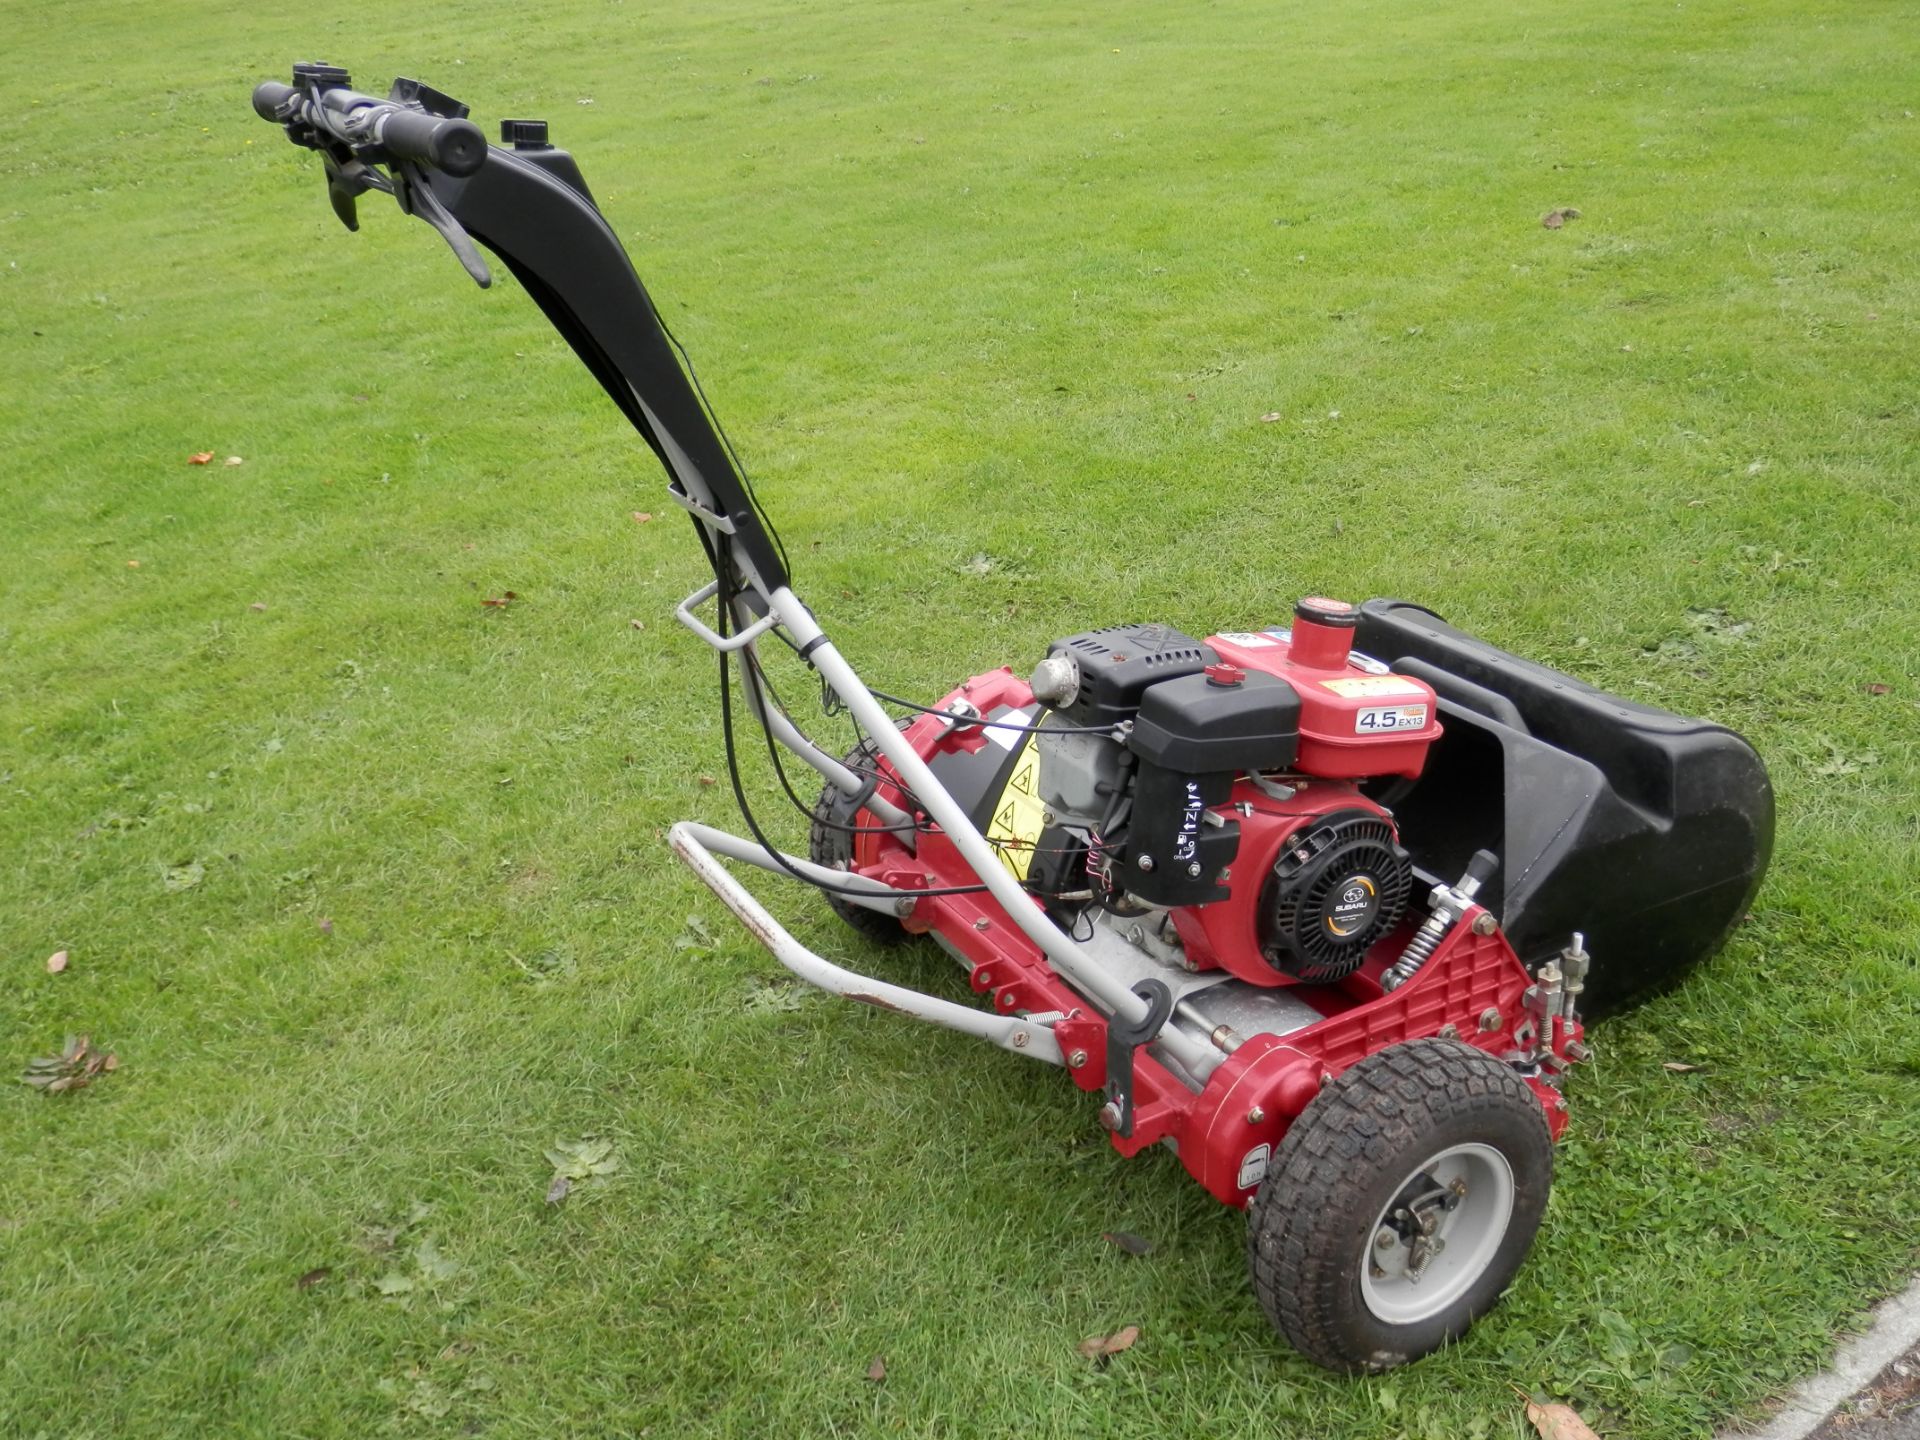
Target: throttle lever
418	199
348	179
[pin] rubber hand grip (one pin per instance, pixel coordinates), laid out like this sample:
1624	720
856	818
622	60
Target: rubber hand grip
455	146
269	96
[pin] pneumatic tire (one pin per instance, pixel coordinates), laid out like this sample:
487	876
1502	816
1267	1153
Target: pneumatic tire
829	844
1425	1140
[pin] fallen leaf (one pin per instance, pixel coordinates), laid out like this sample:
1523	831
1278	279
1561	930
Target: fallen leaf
877	1371
184	876
313	1277
432	1263
706	780
257	607
394	1283
1678	1067
200	457
641	517
235	460
74	1068
326	924
1877	687
1270	417
557	1192
638	624
1554	219
502	600
1100	1347
133	564
1558	1422
56	962
1128	1241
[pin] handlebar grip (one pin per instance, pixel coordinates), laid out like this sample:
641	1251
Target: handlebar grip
268	98
456	146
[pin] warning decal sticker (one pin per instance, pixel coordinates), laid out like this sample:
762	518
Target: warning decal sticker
1018	816
1357	686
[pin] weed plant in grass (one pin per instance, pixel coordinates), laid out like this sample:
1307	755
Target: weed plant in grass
363	881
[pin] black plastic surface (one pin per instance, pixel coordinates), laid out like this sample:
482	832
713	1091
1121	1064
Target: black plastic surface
1647	831
1169	828
1118	663
1191	724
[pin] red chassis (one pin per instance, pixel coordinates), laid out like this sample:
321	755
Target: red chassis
1473	989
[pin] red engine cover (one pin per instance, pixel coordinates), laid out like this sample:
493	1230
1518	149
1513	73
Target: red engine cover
1355	720
1226	933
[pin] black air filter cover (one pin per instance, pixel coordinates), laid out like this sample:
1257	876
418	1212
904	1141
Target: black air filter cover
1118	663
1340	883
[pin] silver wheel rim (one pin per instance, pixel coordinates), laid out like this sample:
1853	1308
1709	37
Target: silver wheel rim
1438	1234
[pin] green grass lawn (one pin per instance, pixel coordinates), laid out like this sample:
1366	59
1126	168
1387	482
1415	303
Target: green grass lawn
364	882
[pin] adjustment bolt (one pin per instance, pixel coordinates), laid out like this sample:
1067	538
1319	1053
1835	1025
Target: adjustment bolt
1110	1116
1385	1240
1489	1020
1484	923
1076	1059
1256	1115
1145	862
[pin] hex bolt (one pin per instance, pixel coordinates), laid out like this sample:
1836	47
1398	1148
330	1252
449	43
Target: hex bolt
1076	1059
1256	1115
1484	923
982	923
1020	1038
1384	1240
1193	869
1110	1116
1490	1020
1145	862
1449	1031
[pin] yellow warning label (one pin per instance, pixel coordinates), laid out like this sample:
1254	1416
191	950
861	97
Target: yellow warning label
1019	817
1354	686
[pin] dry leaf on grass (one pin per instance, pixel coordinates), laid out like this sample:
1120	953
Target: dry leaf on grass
502	600
1554	219
257	607
1270	417
200	457
557	1191
313	1277
1100	1347
235	460
877	1371
1128	1241
56	962
74	1068
1678	1067
1558	1422
1877	687
641	517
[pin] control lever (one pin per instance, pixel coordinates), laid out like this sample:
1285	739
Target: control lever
1123	1039
417	198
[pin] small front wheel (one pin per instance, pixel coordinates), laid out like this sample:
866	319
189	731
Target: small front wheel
830	843
1399	1205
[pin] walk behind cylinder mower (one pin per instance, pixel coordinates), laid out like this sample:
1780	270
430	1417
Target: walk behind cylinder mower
1318	906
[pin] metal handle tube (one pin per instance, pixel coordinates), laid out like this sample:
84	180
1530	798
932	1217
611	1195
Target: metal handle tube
875	894
1106	990
1021	1035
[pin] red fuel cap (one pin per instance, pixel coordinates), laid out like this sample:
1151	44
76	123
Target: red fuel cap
1225	674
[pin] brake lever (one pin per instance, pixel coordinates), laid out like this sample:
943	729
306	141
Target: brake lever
347	179
417	198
